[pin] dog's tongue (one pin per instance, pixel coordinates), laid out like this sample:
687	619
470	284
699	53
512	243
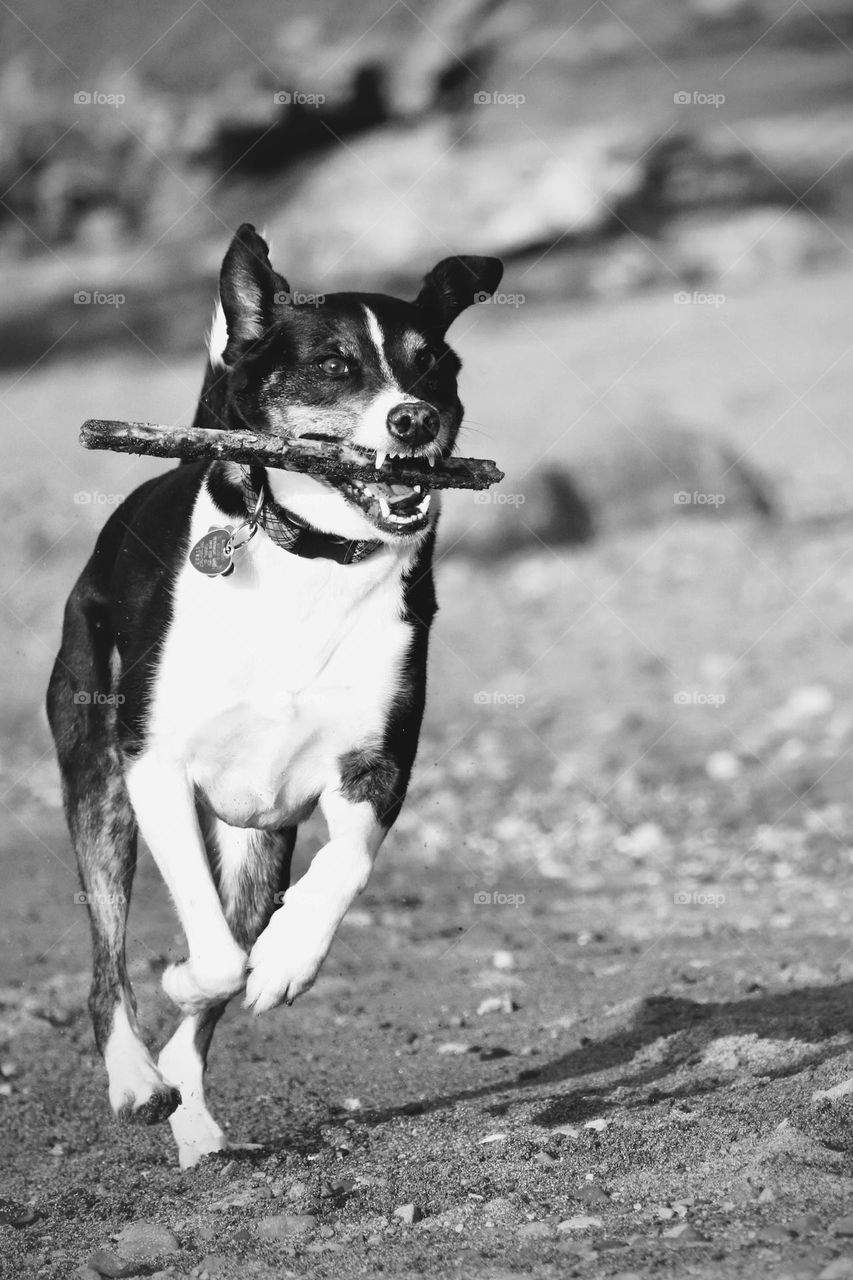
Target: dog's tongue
397	496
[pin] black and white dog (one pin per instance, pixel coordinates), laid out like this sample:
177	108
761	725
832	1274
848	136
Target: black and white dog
211	691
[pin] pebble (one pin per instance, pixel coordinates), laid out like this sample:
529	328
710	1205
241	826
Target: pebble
535	1231
503	960
496	1004
684	1233
15	1214
598	1125
214	1264
106	1262
352	1104
456	1047
838	1269
492	1137
146	1240
567	1130
580	1222
297	1191
544	1159
281	1226
591	1194
775	1234
804	1224
408	1213
842	1226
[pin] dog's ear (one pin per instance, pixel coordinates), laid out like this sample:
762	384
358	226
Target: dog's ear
454	284
250	290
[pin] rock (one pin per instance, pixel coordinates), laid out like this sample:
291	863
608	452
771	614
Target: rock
804	1224
15	1214
842	1226
684	1233
496	1004
542	1158
106	1262
591	1194
214	1264
146	1240
296	1191
408	1213
580	1222
598	1125
456	1048
492	1137
535	1231
503	960
567	1130
351	1104
838	1269
775	1234
283	1226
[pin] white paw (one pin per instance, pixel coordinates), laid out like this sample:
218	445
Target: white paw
287	956
197	1135
194	987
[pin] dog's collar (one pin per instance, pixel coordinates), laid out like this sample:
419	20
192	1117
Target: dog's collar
289	533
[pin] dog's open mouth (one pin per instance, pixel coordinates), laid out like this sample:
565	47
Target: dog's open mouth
392	506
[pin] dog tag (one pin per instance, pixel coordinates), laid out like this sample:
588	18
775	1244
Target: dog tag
212	554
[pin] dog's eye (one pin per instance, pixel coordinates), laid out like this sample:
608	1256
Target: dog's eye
334	366
424	358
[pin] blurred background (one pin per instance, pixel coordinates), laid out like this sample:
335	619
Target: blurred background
640	679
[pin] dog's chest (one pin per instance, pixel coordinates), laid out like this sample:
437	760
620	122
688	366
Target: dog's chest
269	676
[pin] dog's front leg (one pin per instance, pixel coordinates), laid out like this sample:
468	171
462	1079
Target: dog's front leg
287	956
164	804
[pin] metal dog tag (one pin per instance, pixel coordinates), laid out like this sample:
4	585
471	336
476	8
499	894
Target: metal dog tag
213	554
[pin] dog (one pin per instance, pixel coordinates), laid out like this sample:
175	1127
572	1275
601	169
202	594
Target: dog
247	644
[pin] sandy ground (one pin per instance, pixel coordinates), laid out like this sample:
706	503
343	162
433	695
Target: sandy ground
579	1018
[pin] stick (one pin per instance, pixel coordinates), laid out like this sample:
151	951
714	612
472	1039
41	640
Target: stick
269	450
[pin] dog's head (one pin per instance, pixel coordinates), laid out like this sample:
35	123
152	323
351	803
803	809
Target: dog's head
370	373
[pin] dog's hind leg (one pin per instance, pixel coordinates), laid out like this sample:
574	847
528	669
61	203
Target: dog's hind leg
252	871
103	833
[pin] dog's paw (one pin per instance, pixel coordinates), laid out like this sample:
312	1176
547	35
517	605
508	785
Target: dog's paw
287	956
145	1099
193	987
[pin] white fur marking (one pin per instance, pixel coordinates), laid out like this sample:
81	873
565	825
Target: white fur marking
133	1077
217	338
193	1127
377	337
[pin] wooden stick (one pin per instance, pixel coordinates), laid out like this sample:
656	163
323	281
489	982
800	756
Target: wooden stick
269	450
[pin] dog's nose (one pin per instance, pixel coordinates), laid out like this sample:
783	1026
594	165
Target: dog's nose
413	424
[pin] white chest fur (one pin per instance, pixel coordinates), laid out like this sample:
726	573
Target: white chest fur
267	677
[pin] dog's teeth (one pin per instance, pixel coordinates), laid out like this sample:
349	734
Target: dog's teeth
380	459
384	507
432	461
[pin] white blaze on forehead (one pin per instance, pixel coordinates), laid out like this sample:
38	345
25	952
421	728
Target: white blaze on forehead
377	337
